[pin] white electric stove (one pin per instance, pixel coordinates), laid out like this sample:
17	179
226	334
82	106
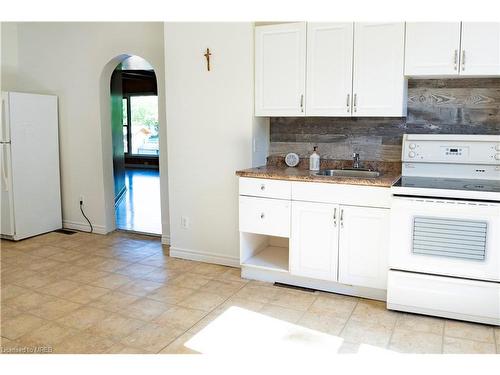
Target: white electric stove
445	228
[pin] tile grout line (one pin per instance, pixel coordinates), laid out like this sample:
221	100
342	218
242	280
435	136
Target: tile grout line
308	307
443	336
495	341
349	318
393	329
203	317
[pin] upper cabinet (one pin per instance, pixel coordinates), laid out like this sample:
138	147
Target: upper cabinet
432	48
280	69
352	69
329	69
452	49
359	69
379	86
480	50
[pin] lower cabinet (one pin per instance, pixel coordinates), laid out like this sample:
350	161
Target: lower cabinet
314	240
348	244
305	233
364	246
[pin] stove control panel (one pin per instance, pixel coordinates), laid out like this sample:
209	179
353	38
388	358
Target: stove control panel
459	149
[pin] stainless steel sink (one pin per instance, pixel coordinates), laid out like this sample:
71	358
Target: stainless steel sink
363	173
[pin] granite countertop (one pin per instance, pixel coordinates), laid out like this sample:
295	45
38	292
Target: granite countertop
275	170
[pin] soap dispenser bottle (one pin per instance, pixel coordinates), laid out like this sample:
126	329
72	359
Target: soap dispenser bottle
314	160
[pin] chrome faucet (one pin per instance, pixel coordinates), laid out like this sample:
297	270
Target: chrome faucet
355	160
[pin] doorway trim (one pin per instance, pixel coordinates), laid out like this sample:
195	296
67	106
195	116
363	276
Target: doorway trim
107	145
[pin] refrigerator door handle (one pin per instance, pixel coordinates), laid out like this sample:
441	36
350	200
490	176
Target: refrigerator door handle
5	176
5	130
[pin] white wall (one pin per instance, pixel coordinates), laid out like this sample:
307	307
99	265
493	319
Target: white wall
8	53
210	128
72	61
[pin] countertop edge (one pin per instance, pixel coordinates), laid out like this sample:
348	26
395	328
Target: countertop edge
384	181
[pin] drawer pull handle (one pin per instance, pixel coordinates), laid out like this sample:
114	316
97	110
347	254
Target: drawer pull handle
262	215
262	187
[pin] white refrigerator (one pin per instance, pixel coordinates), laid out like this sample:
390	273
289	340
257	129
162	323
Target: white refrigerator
29	140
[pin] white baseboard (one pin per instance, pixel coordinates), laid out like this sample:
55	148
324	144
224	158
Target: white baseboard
84	227
165	239
203	256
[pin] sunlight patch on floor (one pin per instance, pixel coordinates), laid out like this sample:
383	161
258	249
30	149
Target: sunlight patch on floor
238	329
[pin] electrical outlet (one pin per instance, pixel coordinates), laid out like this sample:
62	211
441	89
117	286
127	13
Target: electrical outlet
185	222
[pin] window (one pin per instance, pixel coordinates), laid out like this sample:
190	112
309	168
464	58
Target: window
140	125
144	125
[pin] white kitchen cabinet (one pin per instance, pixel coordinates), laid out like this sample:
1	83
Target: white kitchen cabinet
314	240
329	69
364	246
432	48
280	68
331	237
480	48
379	84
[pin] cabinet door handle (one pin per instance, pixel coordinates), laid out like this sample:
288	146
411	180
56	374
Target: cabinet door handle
335	217
342	218
463	59
355	102
455	60
348	103
302	103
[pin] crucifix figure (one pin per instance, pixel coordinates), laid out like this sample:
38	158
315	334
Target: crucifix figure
207	56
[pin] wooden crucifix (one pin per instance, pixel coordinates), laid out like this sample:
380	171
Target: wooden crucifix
207	56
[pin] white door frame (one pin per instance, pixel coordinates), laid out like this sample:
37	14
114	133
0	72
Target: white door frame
107	146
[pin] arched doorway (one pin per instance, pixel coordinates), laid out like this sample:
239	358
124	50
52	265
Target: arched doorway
135	146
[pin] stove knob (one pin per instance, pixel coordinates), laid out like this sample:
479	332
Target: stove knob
411	154
412	146
497	156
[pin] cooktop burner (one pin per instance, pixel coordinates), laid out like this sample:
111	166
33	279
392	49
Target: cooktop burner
449	184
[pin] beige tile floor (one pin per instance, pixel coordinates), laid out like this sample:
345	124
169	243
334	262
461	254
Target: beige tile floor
122	293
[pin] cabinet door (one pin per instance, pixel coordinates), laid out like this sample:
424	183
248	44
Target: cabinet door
432	48
364	246
280	68
314	240
379	87
480	48
329	69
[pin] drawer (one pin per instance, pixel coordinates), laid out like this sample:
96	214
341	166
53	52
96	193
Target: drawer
260	187
350	195
449	297
265	216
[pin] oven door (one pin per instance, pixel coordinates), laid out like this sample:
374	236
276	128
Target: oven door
446	237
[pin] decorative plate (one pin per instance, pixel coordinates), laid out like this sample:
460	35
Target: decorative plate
292	159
